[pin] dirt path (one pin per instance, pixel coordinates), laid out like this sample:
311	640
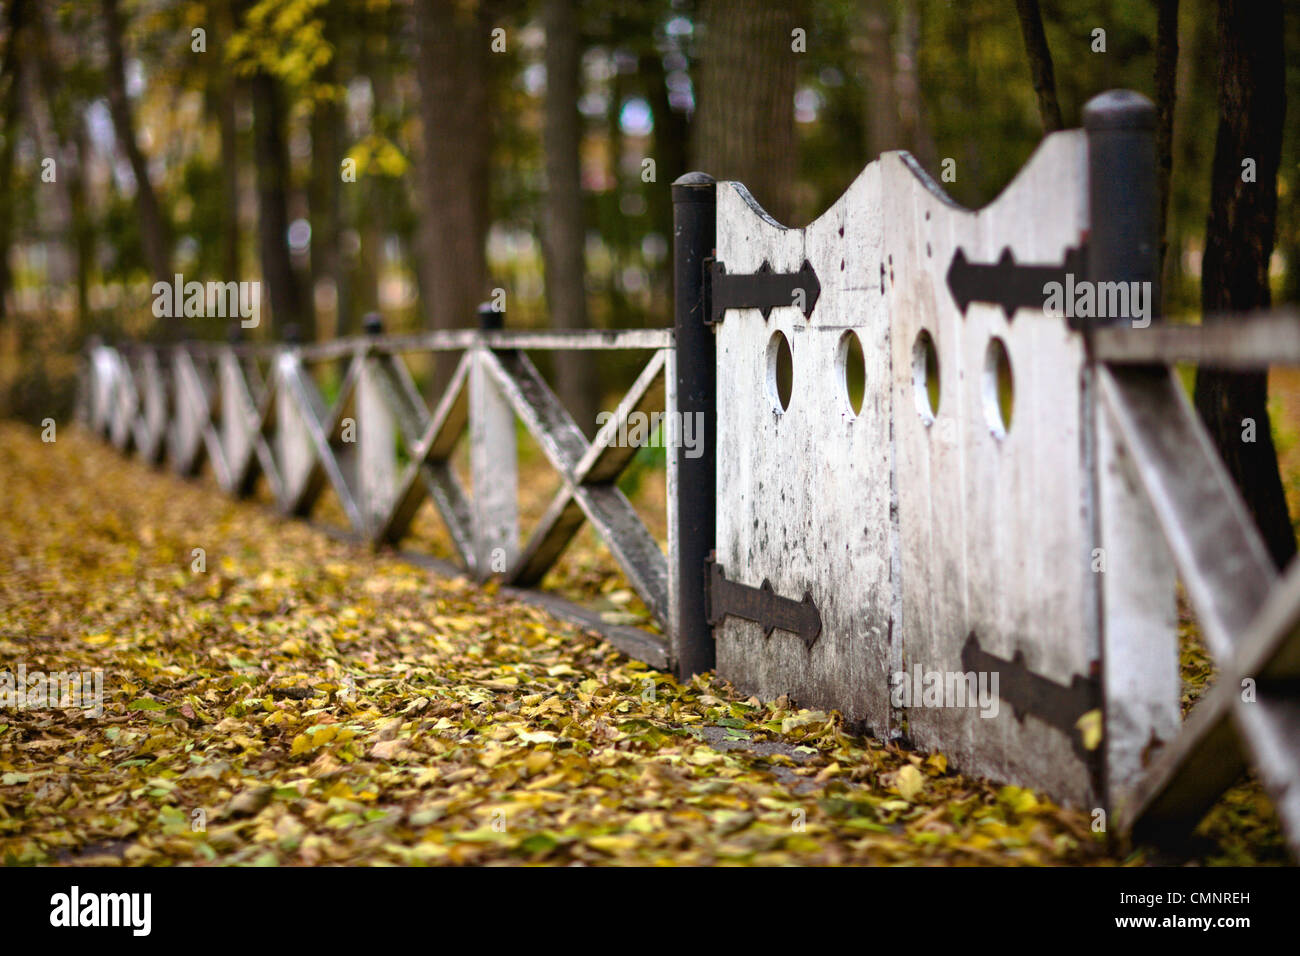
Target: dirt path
300	701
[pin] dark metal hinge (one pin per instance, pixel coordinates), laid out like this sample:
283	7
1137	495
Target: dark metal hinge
1007	283
1057	705
759	604
764	290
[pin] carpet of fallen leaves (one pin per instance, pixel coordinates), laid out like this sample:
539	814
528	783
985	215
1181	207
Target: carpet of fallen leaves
304	701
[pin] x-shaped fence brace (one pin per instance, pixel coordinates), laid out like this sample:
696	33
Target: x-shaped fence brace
1249	618
194	402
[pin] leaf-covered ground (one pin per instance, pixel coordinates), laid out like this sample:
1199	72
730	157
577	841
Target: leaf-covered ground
303	701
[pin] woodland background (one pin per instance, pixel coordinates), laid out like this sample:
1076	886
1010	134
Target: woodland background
517	159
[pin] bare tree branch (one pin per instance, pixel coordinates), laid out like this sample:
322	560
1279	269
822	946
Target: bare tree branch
1040	64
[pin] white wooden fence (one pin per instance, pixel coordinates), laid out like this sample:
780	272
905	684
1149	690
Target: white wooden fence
1013	499
255	410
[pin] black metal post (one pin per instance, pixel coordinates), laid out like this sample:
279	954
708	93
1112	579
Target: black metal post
1122	247
1122	242
694	232
489	318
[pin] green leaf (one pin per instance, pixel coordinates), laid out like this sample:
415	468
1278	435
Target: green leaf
538	844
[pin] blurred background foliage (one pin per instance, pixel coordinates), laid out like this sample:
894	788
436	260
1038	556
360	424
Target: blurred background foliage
213	138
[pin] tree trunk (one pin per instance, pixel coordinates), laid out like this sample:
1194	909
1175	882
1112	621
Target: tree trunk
371	224
10	77
153	228
1040	64
229	184
83	227
1166	96
744	127
875	54
326	259
228	90
672	137
914	126
1238	243
272	160
56	218
452	69
70	134
564	238
326	184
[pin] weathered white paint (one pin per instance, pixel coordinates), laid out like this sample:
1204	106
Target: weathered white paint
493	470
154	399
191	414
104	367
125	403
671	479
1140	675
238	417
804	494
991	528
376	445
915	531
293	444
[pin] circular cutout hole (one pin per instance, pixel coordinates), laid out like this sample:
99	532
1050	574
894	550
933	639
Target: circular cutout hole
925	376
852	367
780	371
999	388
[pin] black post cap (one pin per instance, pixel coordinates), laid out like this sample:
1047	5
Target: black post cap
693	187
490	318
1119	109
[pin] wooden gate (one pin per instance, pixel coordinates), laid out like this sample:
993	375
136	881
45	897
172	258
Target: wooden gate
948	526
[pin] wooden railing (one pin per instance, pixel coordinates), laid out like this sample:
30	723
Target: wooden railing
256	410
1249	616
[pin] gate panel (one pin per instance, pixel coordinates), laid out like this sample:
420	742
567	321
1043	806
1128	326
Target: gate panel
804	492
946	539
994	518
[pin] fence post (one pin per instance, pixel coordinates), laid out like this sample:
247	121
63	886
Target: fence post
692	482
1122	242
376	436
292	442
493	463
155	405
118	421
1137	618
101	386
237	416
188	414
